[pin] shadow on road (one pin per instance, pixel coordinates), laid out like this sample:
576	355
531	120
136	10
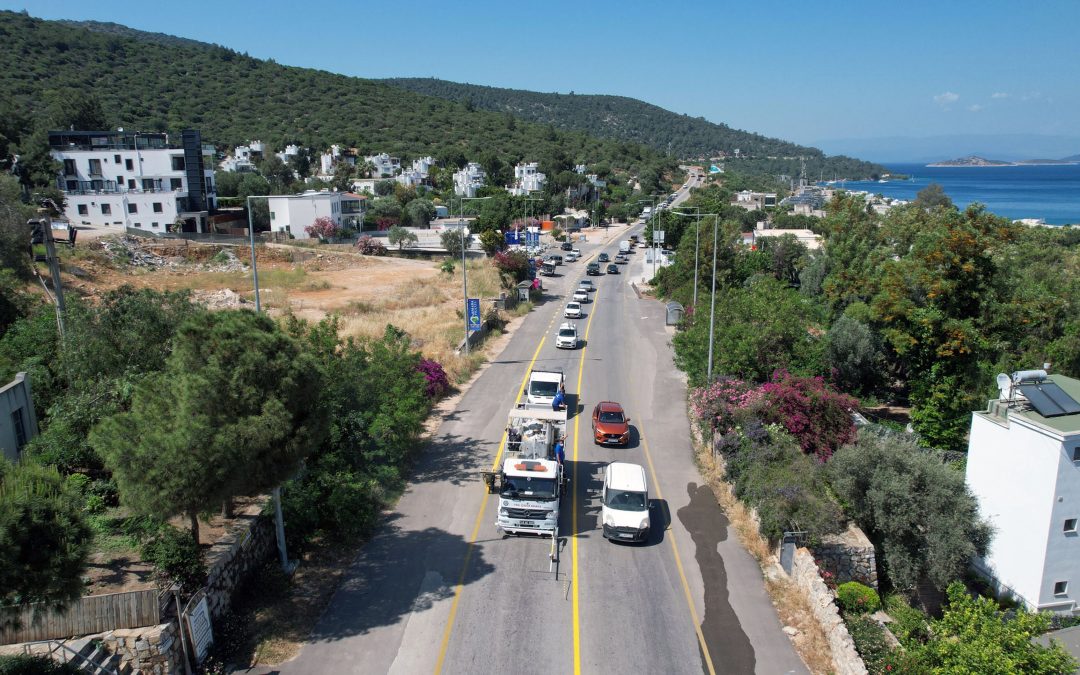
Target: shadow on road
590	481
453	459
399	572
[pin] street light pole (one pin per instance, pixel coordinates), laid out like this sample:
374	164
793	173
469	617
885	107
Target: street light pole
275	493
712	302
697	244
464	281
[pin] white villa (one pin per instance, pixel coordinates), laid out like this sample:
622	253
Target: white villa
1024	467
468	179
292	214
132	179
527	178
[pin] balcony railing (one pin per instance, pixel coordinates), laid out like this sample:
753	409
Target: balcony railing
110	187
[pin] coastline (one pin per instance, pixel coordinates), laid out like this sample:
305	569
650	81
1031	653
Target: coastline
945	165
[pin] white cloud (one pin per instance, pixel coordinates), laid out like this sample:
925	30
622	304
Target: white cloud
975	108
999	94
946	98
1031	96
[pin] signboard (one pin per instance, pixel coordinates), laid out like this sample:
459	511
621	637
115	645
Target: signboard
200	632
472	311
658	236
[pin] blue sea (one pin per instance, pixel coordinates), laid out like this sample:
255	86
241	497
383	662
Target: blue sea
1050	192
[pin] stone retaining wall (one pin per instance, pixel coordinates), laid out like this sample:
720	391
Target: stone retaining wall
848	556
247	544
152	650
804	572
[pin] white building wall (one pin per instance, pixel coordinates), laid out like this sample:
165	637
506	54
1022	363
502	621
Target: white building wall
1013	472
294	213
1063	548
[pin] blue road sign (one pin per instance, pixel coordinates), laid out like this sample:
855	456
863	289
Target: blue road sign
472	310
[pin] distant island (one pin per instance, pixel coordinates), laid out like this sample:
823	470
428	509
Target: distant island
974	160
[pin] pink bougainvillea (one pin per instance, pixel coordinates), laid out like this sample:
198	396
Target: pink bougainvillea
436	383
814	413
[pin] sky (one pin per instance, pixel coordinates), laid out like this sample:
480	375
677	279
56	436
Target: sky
806	72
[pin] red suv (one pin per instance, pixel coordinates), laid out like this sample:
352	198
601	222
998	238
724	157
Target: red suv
610	424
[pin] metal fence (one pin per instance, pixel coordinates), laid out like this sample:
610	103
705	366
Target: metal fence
91	614
208	237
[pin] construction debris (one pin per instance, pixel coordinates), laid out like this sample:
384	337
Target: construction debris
223	299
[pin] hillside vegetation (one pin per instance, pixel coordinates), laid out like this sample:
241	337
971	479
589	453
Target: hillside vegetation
629	119
151	81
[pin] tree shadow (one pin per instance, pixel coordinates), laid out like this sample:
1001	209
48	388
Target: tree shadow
398	572
452	459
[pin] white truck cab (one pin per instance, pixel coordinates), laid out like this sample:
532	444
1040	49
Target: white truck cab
625	502
542	387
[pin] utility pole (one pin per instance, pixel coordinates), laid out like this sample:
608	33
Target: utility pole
42	229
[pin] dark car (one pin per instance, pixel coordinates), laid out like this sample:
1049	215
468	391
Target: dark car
567	246
610	424
603	257
593	269
612	269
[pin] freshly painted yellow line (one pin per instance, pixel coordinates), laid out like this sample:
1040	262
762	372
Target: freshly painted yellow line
574	580
678	560
476	526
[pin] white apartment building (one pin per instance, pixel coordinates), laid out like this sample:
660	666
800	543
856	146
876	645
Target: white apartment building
527	178
130	179
752	201
385	165
410	177
243	157
292	214
288	153
1023	465
423	166
469	179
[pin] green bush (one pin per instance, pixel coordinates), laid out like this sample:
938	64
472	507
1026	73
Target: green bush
176	557
77	483
24	664
909	624
871	643
94	504
856	598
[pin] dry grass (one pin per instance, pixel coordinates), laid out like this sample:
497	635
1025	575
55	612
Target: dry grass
791	604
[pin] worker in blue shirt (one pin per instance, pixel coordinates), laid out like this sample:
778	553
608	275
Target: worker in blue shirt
557	402
560	455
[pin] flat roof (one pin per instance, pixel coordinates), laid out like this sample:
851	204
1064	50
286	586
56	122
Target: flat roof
1066	424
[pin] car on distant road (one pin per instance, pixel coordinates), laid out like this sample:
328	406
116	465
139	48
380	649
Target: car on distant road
622	259
567	246
610	424
573	310
581	295
603	257
557	258
577	251
593	269
570	257
612	269
586	284
567	338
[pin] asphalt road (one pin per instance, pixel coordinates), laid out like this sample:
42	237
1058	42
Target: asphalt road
438	589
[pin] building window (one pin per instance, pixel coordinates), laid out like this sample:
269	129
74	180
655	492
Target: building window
138	224
153	224
19	425
1061	587
148	184
95	167
119	181
129	165
176	183
1076	454
131	183
116	158
72	185
273	215
83	211
1070	526
106	210
157	208
133	208
178	163
69	167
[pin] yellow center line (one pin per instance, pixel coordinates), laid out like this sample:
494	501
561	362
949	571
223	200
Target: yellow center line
476	526
678	560
574	580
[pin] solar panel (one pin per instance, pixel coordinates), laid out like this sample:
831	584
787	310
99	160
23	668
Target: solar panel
1049	400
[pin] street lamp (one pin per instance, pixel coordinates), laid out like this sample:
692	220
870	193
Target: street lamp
652	214
712	302
697	242
279	520
464	245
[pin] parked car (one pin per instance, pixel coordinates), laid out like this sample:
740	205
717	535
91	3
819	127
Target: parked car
610	424
573	310
567	338
612	269
581	295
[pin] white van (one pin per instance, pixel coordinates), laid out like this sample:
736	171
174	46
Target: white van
625	502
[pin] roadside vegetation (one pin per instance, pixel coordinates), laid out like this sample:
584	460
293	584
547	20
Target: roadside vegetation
916	309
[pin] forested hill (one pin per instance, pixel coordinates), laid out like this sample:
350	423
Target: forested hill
629	119
149	81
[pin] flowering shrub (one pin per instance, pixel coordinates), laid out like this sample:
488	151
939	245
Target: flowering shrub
323	228
815	414
856	598
723	404
369	245
514	265
436	383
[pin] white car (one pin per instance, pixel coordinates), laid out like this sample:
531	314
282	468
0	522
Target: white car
573	310
581	295
567	337
570	257
576	251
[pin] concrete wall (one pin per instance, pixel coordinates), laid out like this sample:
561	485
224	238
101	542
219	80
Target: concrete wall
848	556
16	401
235	555
804	573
